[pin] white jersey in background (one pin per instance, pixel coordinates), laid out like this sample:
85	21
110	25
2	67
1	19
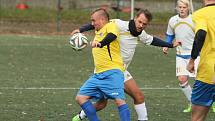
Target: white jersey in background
128	42
183	29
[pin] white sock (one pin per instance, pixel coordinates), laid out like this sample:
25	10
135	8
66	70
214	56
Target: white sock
187	90
141	111
82	115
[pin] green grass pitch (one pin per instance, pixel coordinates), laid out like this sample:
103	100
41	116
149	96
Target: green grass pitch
39	77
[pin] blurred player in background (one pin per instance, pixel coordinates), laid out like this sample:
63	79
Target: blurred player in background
107	82
181	27
203	93
130	32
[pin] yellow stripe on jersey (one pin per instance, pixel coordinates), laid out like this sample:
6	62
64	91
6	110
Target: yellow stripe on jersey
104	60
185	23
205	19
125	33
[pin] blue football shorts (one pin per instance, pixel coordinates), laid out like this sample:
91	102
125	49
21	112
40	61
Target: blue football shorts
108	85
203	94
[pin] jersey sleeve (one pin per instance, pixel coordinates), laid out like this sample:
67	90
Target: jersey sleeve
170	30
145	38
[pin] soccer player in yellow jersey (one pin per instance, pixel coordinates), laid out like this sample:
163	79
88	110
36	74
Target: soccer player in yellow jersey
203	93
107	82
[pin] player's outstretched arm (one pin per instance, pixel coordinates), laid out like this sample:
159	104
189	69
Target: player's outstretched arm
75	31
169	39
160	43
176	43
165	50
84	28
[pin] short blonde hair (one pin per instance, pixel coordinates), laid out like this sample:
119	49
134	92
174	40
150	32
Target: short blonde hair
186	2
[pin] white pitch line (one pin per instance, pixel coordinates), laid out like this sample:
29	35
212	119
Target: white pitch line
65	88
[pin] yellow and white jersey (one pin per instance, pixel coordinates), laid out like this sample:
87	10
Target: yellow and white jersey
128	42
205	19
183	29
108	57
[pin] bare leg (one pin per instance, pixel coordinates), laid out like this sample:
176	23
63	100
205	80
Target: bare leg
199	113
134	91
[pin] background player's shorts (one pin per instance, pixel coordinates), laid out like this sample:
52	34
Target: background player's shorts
108	84
127	76
181	67
203	94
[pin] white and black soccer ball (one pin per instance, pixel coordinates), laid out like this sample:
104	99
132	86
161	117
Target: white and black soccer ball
78	41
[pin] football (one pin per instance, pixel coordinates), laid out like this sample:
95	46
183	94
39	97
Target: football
78	41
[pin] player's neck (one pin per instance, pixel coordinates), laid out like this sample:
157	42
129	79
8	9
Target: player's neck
183	17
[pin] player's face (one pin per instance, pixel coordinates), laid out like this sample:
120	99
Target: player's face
141	22
183	10
96	21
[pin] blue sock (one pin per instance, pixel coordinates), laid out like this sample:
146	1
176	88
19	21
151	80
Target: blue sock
90	111
124	112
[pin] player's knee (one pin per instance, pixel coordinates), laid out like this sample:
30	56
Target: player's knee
77	98
183	84
183	79
100	105
119	102
138	97
81	99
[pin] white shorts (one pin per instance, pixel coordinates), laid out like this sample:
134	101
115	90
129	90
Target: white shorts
181	67
127	76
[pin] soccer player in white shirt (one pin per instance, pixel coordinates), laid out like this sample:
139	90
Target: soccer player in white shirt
181	27
130	32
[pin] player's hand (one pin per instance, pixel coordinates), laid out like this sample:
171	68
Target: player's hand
75	31
165	50
176	43
95	44
190	66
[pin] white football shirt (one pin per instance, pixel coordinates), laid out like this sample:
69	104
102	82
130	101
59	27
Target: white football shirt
183	29
128	42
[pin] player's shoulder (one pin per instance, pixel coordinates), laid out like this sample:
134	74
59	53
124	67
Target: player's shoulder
174	18
143	33
111	23
200	13
121	24
118	21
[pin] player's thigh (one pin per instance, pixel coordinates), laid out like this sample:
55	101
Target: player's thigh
199	112
132	89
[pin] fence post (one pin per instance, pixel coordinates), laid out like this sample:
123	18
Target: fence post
59	8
